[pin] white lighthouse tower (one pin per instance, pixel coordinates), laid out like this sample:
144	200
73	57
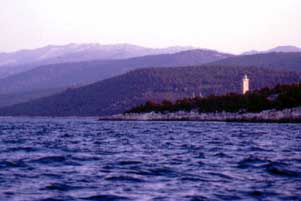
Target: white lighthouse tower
245	84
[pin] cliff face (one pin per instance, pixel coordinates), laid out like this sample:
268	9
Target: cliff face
286	115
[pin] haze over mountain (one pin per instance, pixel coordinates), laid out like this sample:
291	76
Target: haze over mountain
274	60
286	48
19	61
50	79
24	60
56	77
120	93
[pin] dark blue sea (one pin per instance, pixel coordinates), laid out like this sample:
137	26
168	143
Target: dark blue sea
84	159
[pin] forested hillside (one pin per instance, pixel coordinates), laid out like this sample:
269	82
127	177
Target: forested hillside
42	80
277	61
123	92
279	97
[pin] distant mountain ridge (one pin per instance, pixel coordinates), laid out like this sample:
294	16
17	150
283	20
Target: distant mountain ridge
71	52
65	75
285	48
50	79
81	73
123	92
290	61
23	60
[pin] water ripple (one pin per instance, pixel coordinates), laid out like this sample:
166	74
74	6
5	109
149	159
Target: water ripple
82	159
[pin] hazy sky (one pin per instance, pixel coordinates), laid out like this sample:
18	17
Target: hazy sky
226	25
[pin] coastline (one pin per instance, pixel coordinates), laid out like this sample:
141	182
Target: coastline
291	115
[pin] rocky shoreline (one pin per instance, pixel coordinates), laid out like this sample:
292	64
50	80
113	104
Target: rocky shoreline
292	115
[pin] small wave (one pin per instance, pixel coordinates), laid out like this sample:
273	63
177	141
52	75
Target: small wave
191	178
160	198
221	175
221	155
55	161
128	163
255	193
8	193
280	169
197	198
251	161
85	158
50	159
201	155
227	197
12	164
105	198
58	187
166	172
124	179
21	149
57	199
55	176
260	149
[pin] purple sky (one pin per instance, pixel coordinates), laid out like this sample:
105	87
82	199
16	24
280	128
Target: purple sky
226	25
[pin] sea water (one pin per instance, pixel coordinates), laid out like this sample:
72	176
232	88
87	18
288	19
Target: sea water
85	159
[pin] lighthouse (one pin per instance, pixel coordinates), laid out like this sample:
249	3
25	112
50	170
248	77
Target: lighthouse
245	84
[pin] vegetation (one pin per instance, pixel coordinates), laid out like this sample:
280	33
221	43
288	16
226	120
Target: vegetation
32	84
50	79
275	60
123	92
280	97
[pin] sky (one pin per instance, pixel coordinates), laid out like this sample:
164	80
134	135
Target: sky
231	26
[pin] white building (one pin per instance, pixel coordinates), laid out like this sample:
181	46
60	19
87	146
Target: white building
245	84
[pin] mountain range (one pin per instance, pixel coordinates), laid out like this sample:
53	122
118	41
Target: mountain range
275	60
285	48
57	77
44	74
23	60
123	92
